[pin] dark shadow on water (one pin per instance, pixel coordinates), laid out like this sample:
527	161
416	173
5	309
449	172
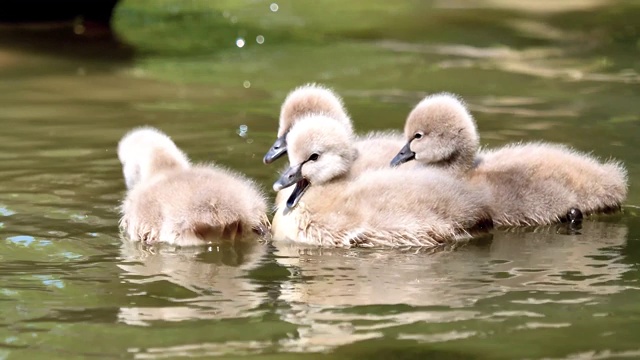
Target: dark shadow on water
84	40
20	11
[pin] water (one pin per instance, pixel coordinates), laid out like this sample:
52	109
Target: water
70	288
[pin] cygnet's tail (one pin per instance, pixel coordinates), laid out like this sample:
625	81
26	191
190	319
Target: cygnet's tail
616	183
607	189
213	224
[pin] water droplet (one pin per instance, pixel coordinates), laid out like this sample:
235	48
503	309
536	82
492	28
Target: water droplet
240	42
273	7
242	130
260	39
246	84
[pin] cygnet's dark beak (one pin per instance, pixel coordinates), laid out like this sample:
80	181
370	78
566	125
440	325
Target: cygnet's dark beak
404	155
278	149
292	175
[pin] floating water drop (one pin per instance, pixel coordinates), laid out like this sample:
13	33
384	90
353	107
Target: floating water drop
260	39
246	84
273	7
240	42
242	130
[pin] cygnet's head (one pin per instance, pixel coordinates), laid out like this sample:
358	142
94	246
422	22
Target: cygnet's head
320	150
144	151
301	102
440	131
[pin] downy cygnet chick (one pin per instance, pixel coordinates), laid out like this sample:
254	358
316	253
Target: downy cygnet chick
530	183
303	101
384	207
171	201
315	99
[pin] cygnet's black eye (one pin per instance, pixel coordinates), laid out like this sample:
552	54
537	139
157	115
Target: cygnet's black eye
418	135
314	157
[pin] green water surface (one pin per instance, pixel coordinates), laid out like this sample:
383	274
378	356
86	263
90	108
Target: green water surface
561	71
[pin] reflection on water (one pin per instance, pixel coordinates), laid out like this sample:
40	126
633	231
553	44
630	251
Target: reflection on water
540	260
547	70
444	287
215	277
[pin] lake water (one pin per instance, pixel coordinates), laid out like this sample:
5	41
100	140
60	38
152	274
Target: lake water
213	75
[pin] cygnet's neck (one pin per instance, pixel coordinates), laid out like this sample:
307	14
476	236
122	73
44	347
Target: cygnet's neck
162	161
348	170
458	163
461	160
354	155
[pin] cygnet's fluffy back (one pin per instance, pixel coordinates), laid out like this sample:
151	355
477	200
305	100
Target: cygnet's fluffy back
194	206
538	183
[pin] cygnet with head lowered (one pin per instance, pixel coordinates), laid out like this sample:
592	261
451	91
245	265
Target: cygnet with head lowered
171	201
